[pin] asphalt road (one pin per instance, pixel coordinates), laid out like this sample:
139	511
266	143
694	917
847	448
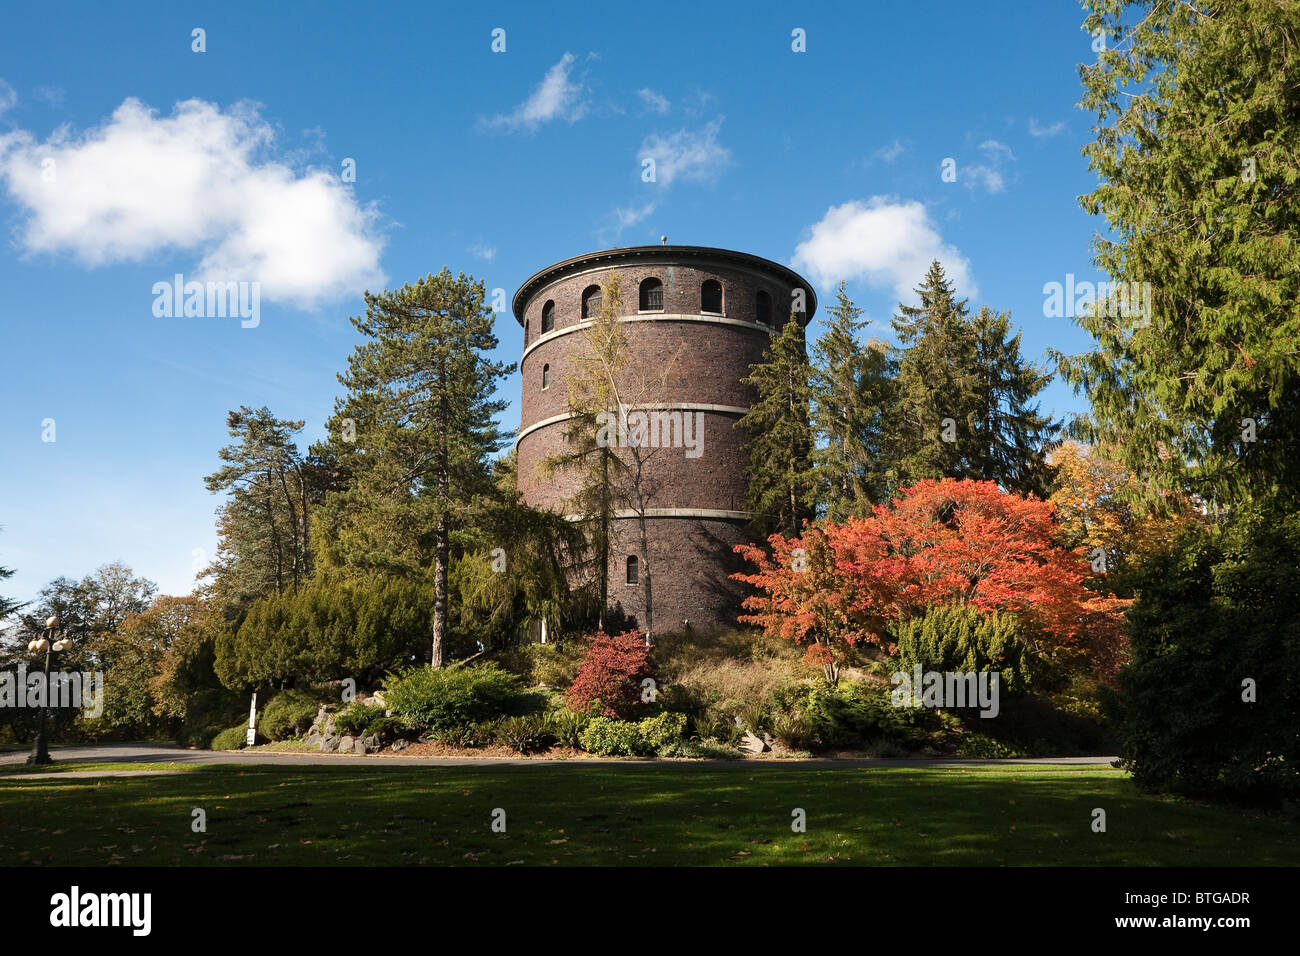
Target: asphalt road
170	753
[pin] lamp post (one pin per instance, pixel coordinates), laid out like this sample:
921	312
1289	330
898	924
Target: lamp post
49	641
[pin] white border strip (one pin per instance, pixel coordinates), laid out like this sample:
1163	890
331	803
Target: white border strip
665	406
679	513
650	317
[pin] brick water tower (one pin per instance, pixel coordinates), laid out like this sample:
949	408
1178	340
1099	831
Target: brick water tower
694	319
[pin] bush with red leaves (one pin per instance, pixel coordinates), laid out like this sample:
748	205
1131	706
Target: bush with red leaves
611	674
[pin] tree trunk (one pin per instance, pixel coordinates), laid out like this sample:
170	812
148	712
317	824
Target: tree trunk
440	589
603	557
275	538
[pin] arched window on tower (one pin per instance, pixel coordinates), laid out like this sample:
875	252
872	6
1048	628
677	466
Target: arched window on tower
711	296
548	317
763	308
525	332
633	569
652	296
591	301
546	377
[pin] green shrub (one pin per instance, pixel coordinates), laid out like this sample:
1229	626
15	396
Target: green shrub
608	737
232	739
851	714
949	638
793	731
626	738
1221	607
524	734
973	744
447	698
662	730
567	727
465	735
288	714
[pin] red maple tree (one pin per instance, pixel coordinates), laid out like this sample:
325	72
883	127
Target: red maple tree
938	542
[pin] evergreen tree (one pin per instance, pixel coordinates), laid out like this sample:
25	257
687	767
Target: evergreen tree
8	605
782	481
1014	438
933	425
263	526
850	401
1198	160
420	415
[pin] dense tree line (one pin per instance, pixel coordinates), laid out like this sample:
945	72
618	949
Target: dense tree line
834	433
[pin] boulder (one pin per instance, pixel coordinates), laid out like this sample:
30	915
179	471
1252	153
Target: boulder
371	743
359	746
400	745
313	738
329	743
754	745
345	745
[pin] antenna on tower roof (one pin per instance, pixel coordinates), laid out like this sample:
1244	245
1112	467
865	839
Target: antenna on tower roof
663	240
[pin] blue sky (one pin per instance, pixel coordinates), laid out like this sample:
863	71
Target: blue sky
127	157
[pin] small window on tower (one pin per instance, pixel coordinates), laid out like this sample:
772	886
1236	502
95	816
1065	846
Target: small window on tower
633	569
548	317
591	302
763	308
711	296
652	296
546	377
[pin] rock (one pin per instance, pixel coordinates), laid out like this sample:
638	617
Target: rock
330	730
329	743
313	738
371	743
400	745
345	745
359	746
754	745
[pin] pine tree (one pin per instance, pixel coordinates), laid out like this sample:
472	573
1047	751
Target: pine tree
782	481
851	398
264	524
1014	438
420	413
933	425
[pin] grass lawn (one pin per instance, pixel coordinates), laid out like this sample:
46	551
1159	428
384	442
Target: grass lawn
632	814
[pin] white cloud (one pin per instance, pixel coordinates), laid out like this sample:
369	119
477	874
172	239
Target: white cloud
991	174
653	101
628	216
484	251
1041	131
888	244
891	152
556	97
198	181
686	154
7	96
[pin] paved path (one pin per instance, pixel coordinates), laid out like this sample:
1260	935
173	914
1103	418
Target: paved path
170	753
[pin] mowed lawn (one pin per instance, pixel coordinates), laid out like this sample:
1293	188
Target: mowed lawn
633	814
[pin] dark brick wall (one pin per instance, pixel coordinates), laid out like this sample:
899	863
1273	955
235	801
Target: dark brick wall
672	361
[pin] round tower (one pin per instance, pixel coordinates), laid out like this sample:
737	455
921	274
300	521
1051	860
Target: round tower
695	319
